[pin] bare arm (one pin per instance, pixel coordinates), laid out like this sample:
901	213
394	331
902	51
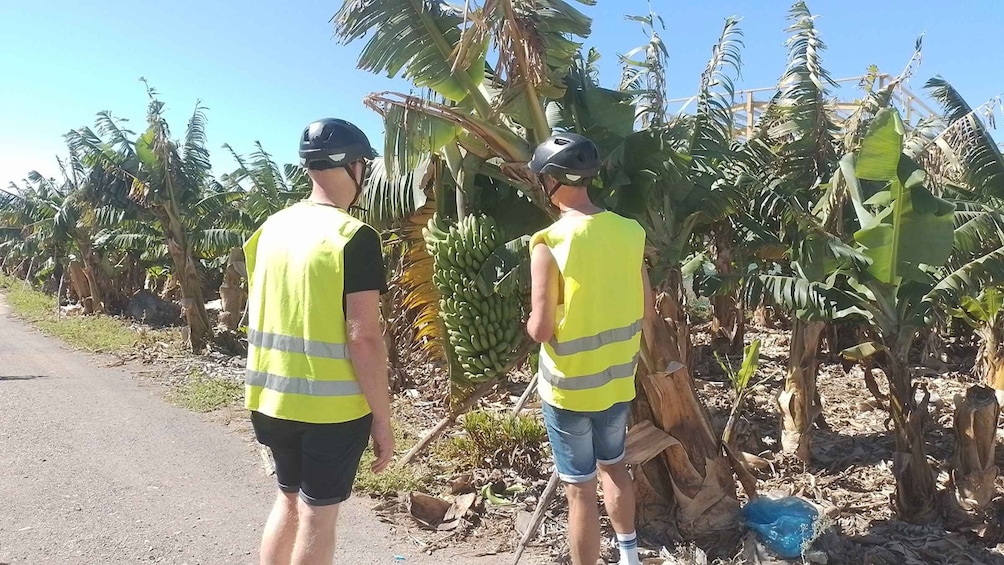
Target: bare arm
369	359
544	289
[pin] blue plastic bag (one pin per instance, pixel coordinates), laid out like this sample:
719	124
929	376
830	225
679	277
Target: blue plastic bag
784	525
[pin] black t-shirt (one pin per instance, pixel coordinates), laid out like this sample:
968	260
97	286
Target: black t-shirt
363	265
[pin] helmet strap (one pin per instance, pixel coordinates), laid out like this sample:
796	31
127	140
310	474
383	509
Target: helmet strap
549	191
359	188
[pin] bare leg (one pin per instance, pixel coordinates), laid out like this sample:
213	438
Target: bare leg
315	538
280	531
583	522
618	496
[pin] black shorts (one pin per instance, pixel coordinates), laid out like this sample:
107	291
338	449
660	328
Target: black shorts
317	460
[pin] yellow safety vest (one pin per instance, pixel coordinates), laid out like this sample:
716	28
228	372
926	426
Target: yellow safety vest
590	363
298	365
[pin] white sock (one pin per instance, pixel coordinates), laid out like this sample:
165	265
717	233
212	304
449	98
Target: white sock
628	546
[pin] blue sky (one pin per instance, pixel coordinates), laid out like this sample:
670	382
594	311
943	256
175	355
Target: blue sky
265	68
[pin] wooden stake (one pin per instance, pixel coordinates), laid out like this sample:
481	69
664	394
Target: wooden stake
526	396
538	515
446	422
465	406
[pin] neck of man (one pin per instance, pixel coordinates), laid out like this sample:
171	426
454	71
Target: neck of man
576	200
340	195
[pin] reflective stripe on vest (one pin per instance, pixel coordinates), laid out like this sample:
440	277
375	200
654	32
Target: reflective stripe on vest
597	341
309	387
595	380
298	365
292	344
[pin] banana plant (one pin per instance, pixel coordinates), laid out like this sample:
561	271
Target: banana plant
168	178
742	384
483	121
985	314
786	166
907	236
27	216
58	215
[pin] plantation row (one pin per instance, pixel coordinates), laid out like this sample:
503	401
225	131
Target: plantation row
865	230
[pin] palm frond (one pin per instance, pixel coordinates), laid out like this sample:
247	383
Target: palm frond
811	301
920	138
978	231
128	241
968	280
193	151
713	121
118	137
967	136
411	135
386	201
643	71
109	216
414	38
536	46
501	141
802	126
216	242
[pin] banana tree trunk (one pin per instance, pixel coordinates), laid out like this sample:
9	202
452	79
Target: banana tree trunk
232	294
193	305
94	274
994	376
915	486
672	308
693	475
764	316
728	326
799	401
972	486
170	290
81	286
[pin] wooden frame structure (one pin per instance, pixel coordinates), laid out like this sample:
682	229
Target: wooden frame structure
751	103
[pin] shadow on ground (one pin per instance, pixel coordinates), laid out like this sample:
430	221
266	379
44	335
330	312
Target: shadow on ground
22	377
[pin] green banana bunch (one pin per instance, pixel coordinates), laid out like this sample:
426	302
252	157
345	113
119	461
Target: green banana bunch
484	327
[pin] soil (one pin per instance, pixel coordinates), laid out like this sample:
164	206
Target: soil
850	476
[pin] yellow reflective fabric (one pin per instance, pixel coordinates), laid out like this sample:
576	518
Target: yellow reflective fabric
298	366
590	364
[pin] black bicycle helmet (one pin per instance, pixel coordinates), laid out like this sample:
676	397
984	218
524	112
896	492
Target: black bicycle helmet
568	157
330	143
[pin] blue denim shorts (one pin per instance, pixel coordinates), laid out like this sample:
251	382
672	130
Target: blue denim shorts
580	440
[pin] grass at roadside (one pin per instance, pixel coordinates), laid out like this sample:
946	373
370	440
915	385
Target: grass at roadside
202	393
395	479
92	333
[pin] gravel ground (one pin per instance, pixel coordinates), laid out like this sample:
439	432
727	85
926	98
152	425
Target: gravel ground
97	468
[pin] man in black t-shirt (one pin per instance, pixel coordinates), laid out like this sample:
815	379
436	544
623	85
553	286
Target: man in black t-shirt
317	373
364	266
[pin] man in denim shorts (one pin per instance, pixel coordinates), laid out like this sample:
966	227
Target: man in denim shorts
590	292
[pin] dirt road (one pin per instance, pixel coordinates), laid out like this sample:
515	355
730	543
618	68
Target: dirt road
96	468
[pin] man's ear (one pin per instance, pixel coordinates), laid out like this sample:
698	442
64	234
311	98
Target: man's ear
359	171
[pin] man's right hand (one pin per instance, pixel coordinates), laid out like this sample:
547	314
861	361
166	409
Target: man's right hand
369	358
383	445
